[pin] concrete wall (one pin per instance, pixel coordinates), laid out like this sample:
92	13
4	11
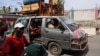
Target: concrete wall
80	15
89	30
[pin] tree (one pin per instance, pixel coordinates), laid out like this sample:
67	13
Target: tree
8	9
61	6
4	9
61	3
16	10
0	11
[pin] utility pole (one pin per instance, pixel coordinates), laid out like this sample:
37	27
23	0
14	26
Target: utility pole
19	3
30	7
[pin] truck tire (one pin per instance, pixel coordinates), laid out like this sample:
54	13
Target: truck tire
54	48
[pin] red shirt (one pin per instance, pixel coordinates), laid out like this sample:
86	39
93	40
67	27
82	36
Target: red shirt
14	46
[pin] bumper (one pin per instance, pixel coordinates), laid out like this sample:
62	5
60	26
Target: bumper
80	46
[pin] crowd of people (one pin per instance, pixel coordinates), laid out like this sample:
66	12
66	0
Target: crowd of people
14	43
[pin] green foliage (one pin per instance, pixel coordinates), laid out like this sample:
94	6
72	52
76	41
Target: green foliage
16	10
4	9
61	3
7	10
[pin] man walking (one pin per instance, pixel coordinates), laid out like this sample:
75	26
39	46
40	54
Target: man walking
14	43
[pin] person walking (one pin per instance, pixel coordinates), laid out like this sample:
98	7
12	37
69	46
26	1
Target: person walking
14	43
3	29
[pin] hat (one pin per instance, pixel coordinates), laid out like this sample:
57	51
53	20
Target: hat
18	25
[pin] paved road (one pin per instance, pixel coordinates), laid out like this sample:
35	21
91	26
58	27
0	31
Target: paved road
93	50
94	46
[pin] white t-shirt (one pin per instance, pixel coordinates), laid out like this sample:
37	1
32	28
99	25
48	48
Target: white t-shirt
50	26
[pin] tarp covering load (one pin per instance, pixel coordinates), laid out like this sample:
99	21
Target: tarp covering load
31	1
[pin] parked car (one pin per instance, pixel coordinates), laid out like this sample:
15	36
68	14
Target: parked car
65	35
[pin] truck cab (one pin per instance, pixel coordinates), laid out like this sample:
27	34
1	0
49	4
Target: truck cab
64	35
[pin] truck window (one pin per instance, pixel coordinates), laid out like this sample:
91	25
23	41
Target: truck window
52	23
24	22
71	25
36	21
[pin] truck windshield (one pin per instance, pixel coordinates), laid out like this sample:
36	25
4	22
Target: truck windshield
70	23
24	21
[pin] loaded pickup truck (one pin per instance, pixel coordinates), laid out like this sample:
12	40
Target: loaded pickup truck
68	35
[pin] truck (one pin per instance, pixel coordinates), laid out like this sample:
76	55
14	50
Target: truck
68	36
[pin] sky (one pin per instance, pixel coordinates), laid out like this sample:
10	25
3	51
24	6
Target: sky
68	4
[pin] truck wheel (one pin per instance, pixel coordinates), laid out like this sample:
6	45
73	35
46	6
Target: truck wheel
54	48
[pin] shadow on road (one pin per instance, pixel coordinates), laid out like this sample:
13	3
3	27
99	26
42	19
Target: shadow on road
76	53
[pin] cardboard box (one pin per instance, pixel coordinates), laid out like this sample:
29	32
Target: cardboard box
30	7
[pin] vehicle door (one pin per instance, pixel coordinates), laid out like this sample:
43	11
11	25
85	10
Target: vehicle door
56	33
35	28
